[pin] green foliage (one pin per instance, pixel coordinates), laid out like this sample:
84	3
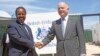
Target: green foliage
88	35
2	30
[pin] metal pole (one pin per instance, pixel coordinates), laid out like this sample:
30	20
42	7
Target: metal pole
38	54
99	18
53	54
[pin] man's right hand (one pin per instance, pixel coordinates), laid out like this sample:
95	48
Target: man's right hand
39	45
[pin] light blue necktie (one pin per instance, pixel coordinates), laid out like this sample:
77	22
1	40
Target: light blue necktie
63	27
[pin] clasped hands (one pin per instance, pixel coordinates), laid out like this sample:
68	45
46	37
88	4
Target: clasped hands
39	45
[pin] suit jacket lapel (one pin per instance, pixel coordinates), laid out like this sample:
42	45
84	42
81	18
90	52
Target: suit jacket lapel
29	31
23	29
59	27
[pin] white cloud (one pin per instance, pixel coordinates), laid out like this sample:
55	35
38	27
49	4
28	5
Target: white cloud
90	21
40	8
29	8
17	0
13	2
11	5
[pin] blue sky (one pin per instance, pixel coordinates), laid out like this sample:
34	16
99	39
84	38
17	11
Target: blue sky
41	6
38	6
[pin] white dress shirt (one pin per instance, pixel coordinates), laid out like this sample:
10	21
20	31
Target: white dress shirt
83	55
64	24
26	30
7	38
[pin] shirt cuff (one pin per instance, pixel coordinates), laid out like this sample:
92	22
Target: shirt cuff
82	54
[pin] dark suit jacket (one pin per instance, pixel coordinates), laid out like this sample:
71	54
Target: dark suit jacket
72	43
5	45
21	43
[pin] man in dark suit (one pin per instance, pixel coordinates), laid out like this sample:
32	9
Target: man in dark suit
5	42
21	39
69	34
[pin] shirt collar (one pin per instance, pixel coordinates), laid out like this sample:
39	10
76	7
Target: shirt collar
65	18
20	23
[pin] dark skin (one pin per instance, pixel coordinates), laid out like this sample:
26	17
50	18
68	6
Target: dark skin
20	15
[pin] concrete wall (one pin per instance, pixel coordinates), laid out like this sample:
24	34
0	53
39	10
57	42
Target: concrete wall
96	33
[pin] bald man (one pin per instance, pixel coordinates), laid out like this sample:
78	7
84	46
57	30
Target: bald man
21	39
69	34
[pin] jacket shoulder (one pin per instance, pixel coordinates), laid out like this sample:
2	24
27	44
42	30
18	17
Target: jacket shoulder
57	21
12	23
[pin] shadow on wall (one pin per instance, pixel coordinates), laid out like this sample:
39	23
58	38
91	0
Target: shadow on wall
96	54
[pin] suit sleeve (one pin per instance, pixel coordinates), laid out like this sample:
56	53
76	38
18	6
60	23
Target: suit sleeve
50	36
80	33
17	38
4	38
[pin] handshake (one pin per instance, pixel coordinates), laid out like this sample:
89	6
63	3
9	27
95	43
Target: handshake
39	45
